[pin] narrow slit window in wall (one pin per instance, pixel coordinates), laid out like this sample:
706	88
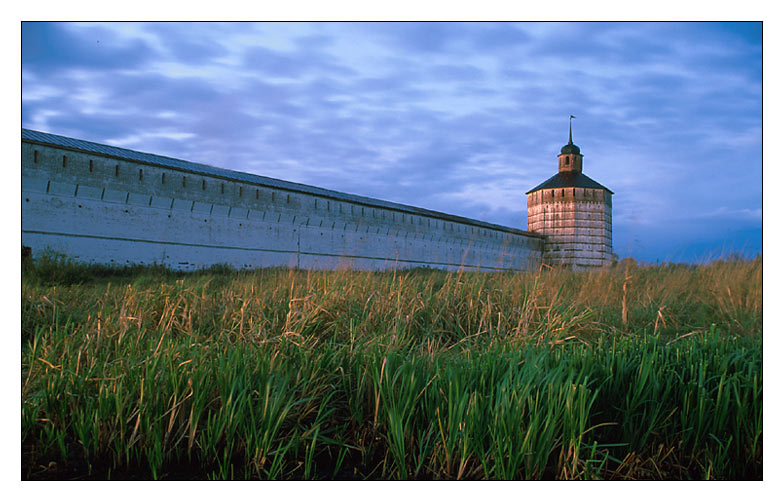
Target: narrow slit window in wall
140	175
288	198
65	161
91	165
183	182
240	191
204	184
223	188
567	161
163	178
257	194
35	156
117	171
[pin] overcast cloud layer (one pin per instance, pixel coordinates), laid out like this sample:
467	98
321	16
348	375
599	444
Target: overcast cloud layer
455	117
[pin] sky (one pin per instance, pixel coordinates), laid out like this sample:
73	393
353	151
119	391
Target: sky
463	118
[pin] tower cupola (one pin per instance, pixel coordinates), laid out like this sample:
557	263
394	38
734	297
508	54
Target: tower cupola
570	159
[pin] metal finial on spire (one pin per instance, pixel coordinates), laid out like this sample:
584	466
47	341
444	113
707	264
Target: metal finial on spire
570	128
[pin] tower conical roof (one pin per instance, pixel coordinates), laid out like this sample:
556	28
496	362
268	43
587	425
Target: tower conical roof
568	180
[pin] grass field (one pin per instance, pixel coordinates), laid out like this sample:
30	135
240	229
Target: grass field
631	373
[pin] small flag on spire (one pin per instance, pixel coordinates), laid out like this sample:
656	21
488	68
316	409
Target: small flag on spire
572	117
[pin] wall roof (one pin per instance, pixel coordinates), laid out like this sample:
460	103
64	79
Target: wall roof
566	179
78	145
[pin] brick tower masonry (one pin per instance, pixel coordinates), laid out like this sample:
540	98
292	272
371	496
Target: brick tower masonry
574	213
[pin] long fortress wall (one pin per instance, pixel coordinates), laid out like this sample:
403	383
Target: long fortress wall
102	204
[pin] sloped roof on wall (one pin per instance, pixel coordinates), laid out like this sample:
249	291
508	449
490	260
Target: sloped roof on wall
569	180
43	138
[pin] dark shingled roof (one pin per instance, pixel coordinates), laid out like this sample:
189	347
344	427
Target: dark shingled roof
568	180
182	165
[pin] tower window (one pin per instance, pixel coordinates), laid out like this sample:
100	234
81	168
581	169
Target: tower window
65	161
163	178
567	161
35	156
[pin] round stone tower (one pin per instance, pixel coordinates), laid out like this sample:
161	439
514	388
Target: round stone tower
575	214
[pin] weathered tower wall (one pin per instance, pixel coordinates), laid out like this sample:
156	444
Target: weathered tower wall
577	223
100	204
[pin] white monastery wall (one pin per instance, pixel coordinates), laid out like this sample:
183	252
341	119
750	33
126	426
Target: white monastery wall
102	209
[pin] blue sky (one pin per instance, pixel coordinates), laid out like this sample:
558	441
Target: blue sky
458	117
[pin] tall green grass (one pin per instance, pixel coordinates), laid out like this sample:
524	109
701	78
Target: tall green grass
282	374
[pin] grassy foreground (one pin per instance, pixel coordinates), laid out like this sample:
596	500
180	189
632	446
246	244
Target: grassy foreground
632	373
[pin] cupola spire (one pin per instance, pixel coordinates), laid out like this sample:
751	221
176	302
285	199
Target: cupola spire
571	159
570	148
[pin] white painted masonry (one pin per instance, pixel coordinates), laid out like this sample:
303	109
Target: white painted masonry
102	204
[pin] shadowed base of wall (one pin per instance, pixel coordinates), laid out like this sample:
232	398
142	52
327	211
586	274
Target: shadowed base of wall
123	252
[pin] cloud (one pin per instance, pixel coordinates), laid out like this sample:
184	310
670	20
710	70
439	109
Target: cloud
458	117
50	47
